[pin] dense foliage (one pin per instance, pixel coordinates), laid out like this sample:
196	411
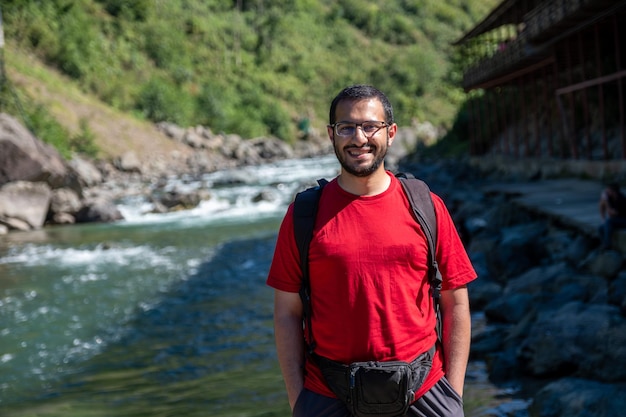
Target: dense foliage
253	67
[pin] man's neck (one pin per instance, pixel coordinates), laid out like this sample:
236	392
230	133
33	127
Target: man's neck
373	184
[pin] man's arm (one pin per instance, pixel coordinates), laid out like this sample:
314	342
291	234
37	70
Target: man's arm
603	206
289	341
457	328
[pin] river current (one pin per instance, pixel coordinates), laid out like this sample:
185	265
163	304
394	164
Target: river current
156	315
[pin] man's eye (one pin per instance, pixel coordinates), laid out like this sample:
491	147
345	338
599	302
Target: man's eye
369	128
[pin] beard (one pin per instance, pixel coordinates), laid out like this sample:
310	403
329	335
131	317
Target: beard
359	170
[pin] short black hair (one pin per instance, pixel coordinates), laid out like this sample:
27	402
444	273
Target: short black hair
359	92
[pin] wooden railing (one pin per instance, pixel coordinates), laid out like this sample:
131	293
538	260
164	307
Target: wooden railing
548	16
501	61
539	24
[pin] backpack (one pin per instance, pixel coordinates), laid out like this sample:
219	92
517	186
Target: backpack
305	211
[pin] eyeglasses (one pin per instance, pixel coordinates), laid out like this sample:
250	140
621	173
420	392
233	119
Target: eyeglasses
347	129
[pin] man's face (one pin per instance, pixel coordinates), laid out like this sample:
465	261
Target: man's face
361	154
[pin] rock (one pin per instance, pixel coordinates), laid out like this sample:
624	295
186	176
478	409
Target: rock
574	397
87	173
64	200
230	144
557	283
576	339
503	365
23	157
483	292
176	200
16	224
194	140
272	149
488	341
247	154
201	162
509	309
171	130
607	263
617	290
63	218
518	249
265	195
98	210
578	249
232	177
128	162
3	230
24	205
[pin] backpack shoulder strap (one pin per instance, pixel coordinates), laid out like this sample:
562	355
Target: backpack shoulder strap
304	213
423	210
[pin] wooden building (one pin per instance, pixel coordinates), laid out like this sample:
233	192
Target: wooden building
547	79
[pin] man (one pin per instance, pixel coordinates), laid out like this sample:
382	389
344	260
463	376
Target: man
613	213
368	269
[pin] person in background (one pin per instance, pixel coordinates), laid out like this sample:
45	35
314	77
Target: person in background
368	269
613	213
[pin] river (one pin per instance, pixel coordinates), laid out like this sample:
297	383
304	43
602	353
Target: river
157	315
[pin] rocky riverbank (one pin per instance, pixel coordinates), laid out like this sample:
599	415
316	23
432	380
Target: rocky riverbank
555	305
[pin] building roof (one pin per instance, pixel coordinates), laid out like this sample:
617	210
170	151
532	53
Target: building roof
501	15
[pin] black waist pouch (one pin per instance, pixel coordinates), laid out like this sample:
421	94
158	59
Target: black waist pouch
384	389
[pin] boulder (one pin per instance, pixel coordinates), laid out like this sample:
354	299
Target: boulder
247	154
607	263
98	210
230	144
24	205
64	200
177	200
577	339
510	309
86	172
128	162
171	130
518	249
193	139
265	195
271	149
574	397
23	157
617	290
63	218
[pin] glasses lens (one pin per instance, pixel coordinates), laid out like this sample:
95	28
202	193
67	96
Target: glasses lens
369	128
345	129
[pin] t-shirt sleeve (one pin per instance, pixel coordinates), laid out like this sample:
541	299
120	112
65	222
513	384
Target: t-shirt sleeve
454	263
285	273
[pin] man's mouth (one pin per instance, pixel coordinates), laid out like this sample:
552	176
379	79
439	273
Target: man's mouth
356	152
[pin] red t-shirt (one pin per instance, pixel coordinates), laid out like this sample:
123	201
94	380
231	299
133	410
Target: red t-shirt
369	278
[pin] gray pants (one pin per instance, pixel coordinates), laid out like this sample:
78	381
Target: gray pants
440	401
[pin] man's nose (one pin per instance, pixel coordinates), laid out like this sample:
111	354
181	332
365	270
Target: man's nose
359	134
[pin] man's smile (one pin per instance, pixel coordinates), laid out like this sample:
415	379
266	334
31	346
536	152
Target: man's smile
359	151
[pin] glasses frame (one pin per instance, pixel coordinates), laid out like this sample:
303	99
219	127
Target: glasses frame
357	125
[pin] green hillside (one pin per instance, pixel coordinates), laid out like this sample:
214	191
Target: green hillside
252	67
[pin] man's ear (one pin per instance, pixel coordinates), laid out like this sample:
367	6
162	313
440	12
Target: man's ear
331	133
391	133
